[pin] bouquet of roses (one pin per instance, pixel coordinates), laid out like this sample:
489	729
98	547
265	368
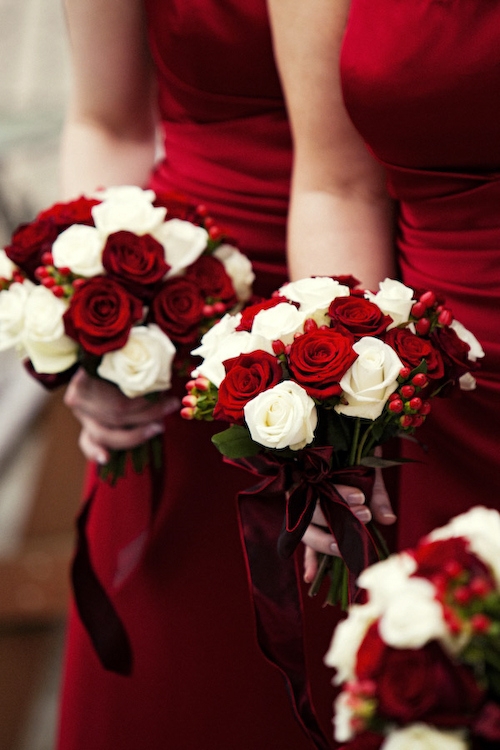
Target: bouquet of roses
314	379
419	662
123	283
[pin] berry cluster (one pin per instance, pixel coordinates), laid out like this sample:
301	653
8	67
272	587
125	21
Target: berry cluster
407	401
200	400
428	312
465	597
61	281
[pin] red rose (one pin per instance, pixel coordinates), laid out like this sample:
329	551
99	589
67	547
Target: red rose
425	685
78	211
29	242
319	359
249	313
211	278
454	352
359	316
433	557
178	309
347	280
412	349
101	315
246	376
138	262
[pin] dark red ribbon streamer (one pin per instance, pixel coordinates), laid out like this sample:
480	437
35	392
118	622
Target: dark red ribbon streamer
97	612
289	491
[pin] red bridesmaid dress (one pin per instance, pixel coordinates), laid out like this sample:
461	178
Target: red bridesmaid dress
199	680
421	82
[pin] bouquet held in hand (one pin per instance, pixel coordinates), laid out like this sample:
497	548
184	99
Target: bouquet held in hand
419	662
123	283
313	380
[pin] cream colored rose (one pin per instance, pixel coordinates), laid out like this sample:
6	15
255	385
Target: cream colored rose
183	242
282	417
343	717
7	267
212	339
46	344
314	295
79	248
413	617
370	380
394	299
12	313
481	526
127	208
239	270
347	639
239	342
424	737
281	322
385	580
143	365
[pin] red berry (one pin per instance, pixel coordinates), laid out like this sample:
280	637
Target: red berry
428	299
416	403
77	283
208	311
49	282
202	384
64	270
219	308
209	222
394	396
310	325
201	209
405	421
418	310
41	272
187	412
445	317
480	623
189	401
407	391
422	326
278	347
420	380
404	372
417	420
396	406
462	594
57	290
47	259
480	586
452	568
452	620
425	409
214	232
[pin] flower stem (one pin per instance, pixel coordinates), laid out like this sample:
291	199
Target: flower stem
355	440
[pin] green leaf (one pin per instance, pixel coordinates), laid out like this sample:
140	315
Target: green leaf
236	442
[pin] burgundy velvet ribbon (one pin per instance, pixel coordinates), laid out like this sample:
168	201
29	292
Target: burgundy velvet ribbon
290	490
97	612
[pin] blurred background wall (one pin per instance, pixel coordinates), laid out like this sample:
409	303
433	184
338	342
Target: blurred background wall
40	465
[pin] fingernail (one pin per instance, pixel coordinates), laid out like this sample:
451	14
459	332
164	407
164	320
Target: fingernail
355	498
387	513
101	458
171	406
154	429
334	548
363	515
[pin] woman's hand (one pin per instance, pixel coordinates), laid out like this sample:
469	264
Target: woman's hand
317	539
110	420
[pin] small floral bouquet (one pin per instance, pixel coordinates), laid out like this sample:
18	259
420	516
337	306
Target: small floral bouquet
123	283
419	661
313	380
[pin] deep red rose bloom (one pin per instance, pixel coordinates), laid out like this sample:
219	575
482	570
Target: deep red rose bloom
138	262
249	313
29	242
319	359
454	352
370	655
432	557
246	376
78	211
178	309
347	280
210	276
425	685
359	316
101	315
412	349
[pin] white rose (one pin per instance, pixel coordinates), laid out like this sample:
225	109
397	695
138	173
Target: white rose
46	344
481	526
239	342
7	267
238	268
385	580
414	617
314	295
476	350
127	208
394	299
79	248
343	717
370	380
347	639
183	242
143	365
282	417
281	322
424	737
212	339
12	312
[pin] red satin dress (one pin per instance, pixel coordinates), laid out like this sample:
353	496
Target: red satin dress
421	82
199	680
